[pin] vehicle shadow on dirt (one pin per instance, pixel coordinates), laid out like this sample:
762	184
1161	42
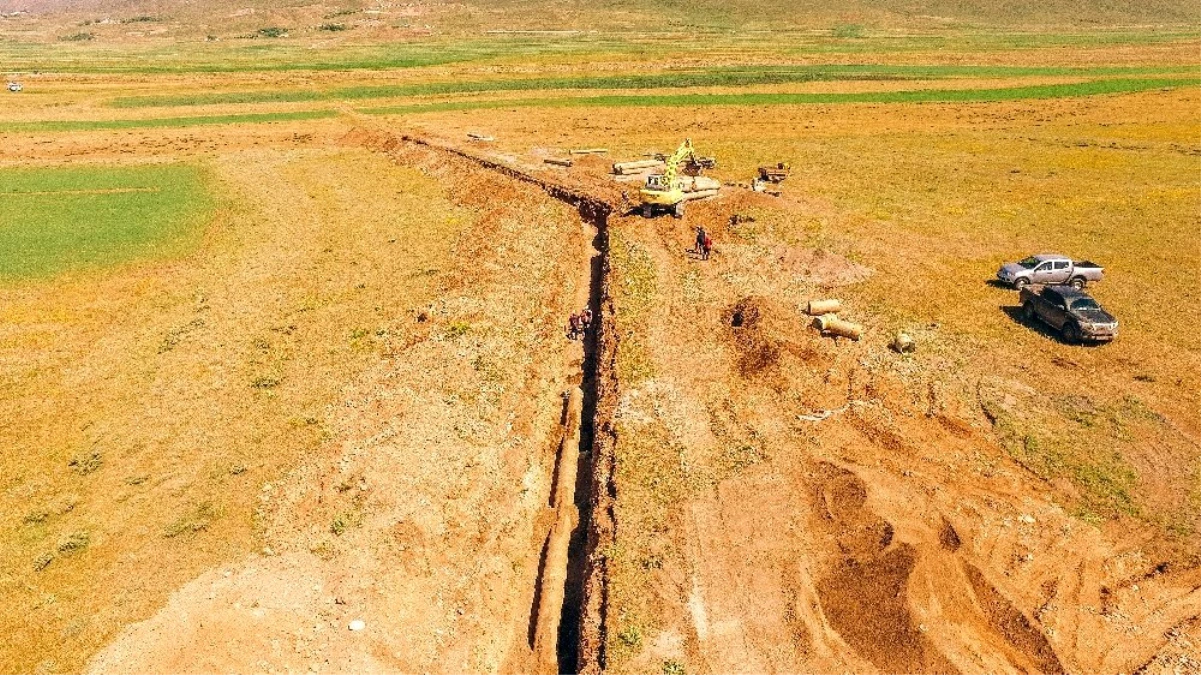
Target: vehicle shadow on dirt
1014	312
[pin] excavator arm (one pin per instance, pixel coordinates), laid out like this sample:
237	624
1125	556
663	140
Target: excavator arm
672	170
666	190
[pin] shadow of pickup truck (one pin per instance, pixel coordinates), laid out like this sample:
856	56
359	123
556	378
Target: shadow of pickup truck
1071	311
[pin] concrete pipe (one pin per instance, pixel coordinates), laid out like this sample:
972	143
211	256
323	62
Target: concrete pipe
554	589
903	344
562	491
554	569
701	194
819	307
621	168
836	326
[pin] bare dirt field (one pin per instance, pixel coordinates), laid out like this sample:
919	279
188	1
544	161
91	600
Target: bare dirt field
987	504
344	394
273	348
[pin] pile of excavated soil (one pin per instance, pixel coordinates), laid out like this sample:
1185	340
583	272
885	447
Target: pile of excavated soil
769	337
819	267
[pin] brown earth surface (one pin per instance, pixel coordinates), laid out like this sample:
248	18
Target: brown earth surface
784	501
792	504
437	465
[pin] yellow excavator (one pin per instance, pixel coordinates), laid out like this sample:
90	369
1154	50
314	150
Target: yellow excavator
666	191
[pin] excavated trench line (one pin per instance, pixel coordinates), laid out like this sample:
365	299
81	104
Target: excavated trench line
571	601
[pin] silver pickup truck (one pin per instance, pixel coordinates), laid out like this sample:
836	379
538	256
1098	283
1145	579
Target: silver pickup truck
1049	268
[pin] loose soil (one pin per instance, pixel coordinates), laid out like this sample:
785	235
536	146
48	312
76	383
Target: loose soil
345	405
457	550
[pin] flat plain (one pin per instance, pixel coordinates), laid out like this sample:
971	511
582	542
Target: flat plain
264	366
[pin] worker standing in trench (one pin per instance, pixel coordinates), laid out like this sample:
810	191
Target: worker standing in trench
579	323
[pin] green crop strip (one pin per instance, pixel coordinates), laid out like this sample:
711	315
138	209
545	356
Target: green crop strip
276	56
162	122
718	77
1091	88
238	55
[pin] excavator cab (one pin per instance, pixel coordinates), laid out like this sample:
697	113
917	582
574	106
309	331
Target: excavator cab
662	193
665	191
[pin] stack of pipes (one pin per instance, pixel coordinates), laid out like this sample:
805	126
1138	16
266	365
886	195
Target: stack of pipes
639	166
827	321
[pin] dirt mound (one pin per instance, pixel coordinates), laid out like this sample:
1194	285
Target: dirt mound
759	350
248	618
768	336
1011	623
820	267
865	595
867	604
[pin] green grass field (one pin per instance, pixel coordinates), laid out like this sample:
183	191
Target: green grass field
1090	88
53	220
714	77
163	122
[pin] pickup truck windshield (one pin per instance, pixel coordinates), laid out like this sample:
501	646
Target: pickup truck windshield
1085	303
1029	263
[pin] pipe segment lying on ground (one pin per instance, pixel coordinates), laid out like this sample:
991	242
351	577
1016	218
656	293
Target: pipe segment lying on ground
830	324
622	168
819	307
554	569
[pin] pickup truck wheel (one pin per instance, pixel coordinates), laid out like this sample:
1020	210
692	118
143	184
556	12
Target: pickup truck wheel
1028	312
1071	332
1077	283
1021	283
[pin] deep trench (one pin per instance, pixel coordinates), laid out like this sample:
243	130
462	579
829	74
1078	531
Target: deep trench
571	614
580	645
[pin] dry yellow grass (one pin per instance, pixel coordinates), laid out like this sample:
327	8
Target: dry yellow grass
181	387
143	408
932	198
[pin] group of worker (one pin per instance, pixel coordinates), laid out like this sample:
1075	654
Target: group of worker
579	323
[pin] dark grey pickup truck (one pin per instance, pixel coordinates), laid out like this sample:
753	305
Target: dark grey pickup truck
1071	311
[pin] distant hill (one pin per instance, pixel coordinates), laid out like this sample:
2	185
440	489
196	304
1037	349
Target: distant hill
372	19
874	13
